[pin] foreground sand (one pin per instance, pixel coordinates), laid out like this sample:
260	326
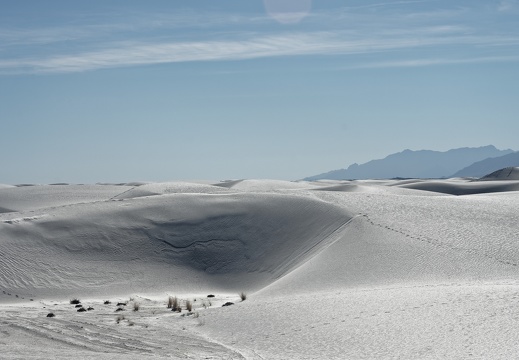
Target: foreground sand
337	270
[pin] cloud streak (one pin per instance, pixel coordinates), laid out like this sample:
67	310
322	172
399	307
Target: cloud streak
294	44
435	62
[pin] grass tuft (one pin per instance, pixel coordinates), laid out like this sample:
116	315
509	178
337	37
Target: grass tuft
173	304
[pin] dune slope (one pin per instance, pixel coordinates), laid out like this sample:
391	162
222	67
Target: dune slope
152	243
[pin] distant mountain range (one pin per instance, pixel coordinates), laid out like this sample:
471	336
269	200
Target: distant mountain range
487	166
428	164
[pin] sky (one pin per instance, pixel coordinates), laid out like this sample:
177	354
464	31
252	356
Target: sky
159	90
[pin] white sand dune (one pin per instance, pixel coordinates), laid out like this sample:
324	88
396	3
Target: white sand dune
377	188
45	196
508	173
336	270
464	188
98	247
170	188
265	185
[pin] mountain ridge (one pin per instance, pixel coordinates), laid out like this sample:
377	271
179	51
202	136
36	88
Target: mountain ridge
489	165
415	164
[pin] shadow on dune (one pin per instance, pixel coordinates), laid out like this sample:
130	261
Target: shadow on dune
186	241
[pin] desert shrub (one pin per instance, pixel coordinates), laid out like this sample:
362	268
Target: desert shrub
75	301
119	309
173	304
107	302
81	309
228	303
119	318
171	299
243	296
189	306
210	296
50	315
78	306
90	308
136	306
121	303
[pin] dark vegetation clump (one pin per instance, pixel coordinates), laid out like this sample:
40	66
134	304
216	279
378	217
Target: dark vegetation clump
121	304
51	315
75	301
243	296
210	296
81	309
170	301
189	306
107	302
119	309
228	303
173	304
90	308
78	306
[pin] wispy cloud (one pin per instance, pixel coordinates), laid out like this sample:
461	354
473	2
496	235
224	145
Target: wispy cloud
319	43
508	5
128	25
390	3
435	62
153	39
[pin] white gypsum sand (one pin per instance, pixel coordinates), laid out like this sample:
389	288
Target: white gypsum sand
331	269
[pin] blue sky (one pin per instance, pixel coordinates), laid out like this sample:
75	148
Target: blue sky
110	91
